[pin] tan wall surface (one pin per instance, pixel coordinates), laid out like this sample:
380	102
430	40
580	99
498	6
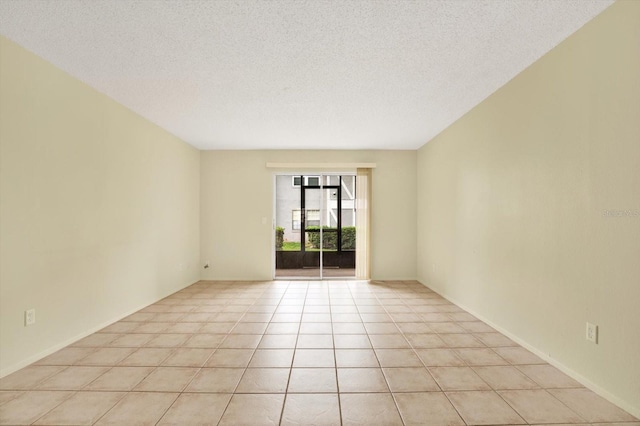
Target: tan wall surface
512	201
237	192
99	209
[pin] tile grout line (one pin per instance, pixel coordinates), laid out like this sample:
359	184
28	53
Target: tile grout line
385	376
394	294
335	358
295	347
494	390
429	371
199	369
422	362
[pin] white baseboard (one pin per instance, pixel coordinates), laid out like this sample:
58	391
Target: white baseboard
40	355
634	411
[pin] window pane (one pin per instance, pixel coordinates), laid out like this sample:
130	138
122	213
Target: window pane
313	218
333	180
313	181
295	219
296	181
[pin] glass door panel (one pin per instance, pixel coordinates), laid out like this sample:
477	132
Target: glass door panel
311	223
288	215
338	258
315	226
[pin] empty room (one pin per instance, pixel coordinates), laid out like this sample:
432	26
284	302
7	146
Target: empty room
367	212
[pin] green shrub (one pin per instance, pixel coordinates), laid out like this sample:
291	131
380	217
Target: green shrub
279	237
330	238
349	238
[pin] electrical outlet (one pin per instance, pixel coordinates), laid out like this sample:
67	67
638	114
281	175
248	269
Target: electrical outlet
29	317
592	333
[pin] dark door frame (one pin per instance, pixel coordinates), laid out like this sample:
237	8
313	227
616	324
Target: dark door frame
321	230
323	258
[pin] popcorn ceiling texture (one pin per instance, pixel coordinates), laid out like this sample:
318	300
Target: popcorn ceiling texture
304	74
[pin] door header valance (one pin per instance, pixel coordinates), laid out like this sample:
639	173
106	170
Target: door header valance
321	166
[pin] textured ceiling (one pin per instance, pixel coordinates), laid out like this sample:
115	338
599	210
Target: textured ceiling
296	74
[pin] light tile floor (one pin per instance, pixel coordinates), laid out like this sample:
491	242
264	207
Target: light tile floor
299	353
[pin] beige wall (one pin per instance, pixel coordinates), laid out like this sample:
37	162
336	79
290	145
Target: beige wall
102	213
236	192
99	213
511	200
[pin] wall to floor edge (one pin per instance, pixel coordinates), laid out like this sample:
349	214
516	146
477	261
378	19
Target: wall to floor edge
237	193
528	206
99	214
64	343
545	356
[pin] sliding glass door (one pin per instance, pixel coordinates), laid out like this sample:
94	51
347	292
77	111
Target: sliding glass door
315	226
